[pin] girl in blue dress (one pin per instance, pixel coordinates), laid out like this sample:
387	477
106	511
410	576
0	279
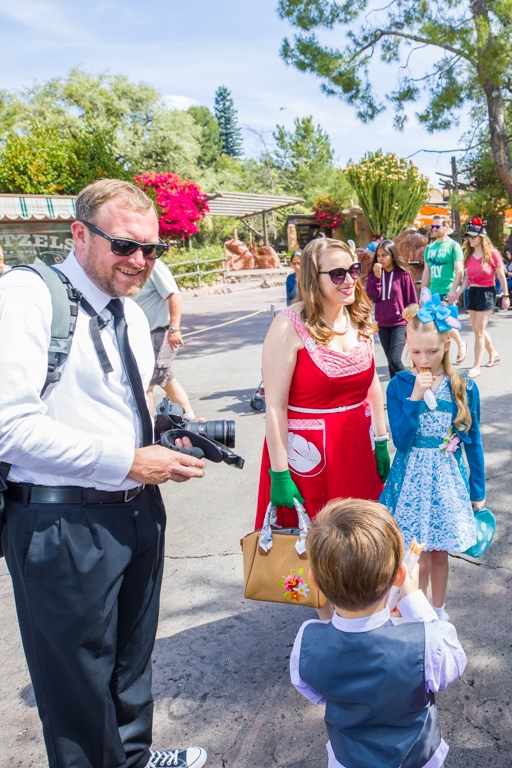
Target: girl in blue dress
433	411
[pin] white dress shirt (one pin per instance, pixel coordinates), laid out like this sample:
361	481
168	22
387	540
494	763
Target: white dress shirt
84	430
445	659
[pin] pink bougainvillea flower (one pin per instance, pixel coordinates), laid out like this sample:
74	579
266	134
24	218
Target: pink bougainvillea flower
180	203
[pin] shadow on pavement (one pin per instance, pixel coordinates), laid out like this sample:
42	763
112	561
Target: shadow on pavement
251	331
225	685
243	396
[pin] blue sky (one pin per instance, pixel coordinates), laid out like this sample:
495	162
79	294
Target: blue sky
187	50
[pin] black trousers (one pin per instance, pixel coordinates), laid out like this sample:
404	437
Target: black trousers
392	339
87	586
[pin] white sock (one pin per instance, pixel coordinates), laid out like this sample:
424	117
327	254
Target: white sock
438	610
190	416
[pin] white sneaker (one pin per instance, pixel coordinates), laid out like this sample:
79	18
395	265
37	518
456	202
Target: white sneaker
192	757
442	615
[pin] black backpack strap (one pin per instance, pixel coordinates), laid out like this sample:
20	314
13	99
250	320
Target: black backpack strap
65	301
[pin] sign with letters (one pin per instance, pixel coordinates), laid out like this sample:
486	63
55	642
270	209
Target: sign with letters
51	246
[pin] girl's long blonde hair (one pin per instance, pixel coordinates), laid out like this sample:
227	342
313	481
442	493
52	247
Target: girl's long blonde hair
308	291
458	383
486	248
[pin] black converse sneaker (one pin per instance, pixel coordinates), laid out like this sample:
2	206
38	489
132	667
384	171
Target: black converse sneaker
192	757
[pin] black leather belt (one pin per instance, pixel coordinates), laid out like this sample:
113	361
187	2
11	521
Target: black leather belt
67	494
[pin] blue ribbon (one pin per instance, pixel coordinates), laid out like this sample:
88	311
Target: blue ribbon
432	309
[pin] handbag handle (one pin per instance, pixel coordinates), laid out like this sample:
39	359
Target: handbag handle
271	518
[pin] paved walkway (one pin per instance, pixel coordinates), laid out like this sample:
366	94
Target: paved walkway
220	662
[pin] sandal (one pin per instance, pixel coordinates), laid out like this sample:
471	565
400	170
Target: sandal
473	375
493	362
461	356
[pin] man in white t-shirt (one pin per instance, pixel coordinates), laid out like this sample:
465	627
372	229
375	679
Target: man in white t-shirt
160	301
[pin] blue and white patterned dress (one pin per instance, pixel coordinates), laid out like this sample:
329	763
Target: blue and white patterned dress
427	491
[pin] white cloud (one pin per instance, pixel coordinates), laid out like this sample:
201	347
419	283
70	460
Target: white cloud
179	102
38	16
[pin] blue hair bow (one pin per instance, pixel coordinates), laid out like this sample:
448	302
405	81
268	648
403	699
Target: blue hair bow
445	318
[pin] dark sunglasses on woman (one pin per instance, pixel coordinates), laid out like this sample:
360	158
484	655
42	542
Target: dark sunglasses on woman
339	274
120	246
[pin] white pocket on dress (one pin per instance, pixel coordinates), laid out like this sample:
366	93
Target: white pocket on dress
306	446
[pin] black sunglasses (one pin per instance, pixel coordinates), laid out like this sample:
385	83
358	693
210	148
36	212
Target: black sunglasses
437	226
120	246
339	274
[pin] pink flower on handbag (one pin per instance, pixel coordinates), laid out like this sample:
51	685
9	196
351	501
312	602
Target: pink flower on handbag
450	443
295	585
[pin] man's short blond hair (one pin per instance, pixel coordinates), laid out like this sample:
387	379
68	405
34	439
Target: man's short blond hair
445	219
91	198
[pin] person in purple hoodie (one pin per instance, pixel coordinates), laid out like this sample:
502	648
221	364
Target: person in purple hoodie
391	288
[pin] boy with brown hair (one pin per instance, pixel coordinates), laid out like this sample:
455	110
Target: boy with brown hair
376	675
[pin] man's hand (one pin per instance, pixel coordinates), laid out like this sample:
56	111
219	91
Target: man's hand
377	270
175	340
155	464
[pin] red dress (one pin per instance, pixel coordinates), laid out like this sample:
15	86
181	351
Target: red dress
331	452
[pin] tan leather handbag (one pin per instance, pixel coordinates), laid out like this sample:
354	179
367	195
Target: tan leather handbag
276	564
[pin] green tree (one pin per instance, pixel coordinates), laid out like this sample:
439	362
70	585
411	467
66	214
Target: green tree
53	160
211	146
146	134
225	112
304	158
390	191
485	195
471	40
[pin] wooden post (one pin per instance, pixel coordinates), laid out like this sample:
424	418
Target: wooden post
235	234
198	271
265	233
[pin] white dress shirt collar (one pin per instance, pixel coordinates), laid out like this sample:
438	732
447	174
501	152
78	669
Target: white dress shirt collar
364	624
75	273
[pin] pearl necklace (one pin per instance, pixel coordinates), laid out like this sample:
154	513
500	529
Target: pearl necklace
338	333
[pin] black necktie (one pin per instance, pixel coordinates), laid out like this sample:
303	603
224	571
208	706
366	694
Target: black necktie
132	369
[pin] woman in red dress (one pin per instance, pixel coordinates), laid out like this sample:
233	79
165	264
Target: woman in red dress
325	425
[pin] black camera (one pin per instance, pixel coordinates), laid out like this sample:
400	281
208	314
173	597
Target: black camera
212	440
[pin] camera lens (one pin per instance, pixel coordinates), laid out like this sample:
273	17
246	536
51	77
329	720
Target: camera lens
221	431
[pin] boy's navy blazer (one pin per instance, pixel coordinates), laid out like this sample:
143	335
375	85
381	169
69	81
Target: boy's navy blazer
404	422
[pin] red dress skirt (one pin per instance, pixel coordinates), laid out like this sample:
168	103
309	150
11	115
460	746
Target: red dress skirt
331	450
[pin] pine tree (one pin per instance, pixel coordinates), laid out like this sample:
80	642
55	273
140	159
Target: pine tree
226	115
211	146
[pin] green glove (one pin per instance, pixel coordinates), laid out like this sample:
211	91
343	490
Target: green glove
383	460
283	490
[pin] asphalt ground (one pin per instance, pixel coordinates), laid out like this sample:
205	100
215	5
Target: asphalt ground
221	662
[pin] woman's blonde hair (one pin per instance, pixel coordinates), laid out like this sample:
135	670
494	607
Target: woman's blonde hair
458	383
309	292
486	248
